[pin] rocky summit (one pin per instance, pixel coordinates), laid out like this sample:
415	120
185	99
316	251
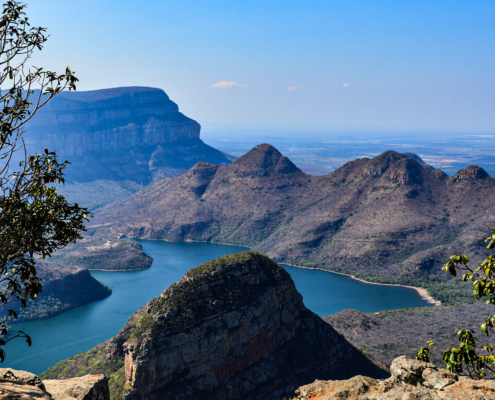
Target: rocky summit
232	328
130	133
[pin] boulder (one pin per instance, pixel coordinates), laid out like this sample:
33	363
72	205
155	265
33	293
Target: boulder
89	387
21	377
406	370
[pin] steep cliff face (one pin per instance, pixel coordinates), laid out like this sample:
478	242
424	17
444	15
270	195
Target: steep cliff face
233	328
134	133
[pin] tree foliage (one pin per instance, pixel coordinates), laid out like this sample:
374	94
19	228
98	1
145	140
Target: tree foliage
34	219
471	356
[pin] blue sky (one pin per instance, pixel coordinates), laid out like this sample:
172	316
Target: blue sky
344	64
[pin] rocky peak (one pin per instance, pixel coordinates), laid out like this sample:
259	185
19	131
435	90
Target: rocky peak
407	172
473	172
203	168
264	159
398	168
232	328
385	159
376	166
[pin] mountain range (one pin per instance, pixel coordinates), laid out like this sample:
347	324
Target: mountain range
386	219
392	218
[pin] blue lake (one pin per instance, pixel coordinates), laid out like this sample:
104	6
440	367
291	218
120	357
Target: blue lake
84	327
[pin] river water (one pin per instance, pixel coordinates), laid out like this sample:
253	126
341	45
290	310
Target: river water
84	327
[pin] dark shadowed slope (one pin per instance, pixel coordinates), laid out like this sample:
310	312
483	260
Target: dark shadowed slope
63	288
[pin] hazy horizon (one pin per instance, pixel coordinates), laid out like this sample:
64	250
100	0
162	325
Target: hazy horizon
377	66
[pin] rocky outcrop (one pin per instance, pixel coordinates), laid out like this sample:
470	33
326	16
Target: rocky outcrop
473	172
64	287
89	387
21	378
134	133
410	379
22	385
232	328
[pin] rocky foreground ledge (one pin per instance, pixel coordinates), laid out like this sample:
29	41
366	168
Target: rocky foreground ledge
22	385
410	380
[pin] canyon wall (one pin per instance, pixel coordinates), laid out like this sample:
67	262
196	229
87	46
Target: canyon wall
134	133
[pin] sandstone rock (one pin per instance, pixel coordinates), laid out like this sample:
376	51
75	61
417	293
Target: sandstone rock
411	380
22	385
21	377
18	391
233	328
435	379
467	388
404	369
89	387
134	133
358	387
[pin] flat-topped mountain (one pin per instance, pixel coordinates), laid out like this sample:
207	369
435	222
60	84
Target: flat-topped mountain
388	218
232	328
134	133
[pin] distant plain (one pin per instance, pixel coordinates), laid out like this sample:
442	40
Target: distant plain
319	152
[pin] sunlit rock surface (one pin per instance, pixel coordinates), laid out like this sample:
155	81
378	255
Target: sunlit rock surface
133	133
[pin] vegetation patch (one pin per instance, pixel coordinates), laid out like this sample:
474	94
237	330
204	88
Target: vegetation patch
92	362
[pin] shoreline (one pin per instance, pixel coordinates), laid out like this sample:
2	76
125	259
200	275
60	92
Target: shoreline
423	293
119	270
